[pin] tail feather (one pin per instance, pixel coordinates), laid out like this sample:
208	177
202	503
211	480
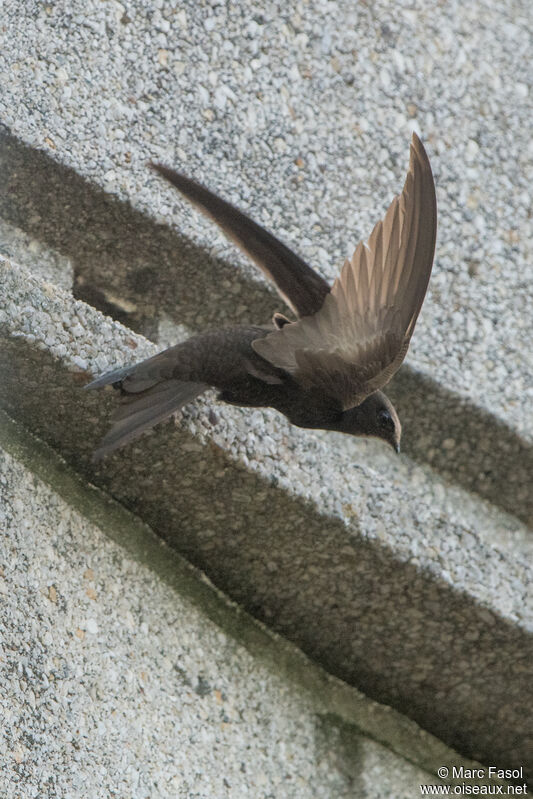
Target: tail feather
139	377
138	414
107	379
133	404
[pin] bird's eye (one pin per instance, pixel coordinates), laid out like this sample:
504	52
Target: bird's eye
385	420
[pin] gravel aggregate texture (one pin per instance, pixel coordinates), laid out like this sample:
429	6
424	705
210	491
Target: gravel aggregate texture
115	683
382	576
312	139
303	114
35	255
409	577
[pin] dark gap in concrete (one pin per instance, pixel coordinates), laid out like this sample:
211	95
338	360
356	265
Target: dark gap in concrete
134	269
125	264
489	458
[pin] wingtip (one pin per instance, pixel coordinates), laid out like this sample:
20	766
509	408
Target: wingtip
418	152
176	178
189	188
92	384
415	147
156	167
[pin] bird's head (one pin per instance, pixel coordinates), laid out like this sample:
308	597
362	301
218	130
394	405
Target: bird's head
375	416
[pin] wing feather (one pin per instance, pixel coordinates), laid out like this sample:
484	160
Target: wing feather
357	340
298	284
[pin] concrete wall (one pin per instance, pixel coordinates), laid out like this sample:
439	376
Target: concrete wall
409	577
124	672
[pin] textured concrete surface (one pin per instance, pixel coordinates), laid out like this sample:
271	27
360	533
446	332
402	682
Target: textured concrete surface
124	673
381	576
303	116
156	280
408	577
35	255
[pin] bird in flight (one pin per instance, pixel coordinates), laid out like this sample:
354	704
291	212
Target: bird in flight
326	369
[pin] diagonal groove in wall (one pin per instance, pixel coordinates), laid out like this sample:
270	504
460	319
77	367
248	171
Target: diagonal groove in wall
342	712
137	270
388	626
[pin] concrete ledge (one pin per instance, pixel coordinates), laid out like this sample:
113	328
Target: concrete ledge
209	699
305	123
146	274
368	573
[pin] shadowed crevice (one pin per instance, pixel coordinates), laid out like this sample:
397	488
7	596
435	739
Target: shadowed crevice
125	264
489	458
137	270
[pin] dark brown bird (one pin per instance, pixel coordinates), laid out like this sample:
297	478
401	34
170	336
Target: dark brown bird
323	370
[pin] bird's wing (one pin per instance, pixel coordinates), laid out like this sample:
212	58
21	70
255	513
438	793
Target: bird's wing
353	345
298	284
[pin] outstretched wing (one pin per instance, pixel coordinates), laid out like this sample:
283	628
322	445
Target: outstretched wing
299	285
353	345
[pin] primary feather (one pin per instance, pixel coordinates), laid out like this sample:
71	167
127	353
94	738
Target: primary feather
357	340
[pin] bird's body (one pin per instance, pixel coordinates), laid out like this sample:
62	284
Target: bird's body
322	371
